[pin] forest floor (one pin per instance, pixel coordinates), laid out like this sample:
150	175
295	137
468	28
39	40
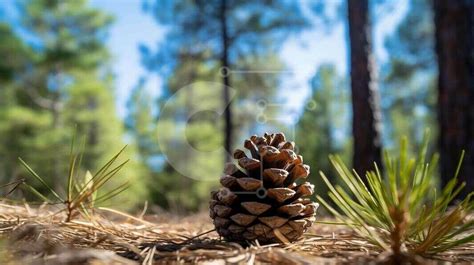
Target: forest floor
39	235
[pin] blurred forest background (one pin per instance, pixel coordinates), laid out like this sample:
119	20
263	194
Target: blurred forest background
57	77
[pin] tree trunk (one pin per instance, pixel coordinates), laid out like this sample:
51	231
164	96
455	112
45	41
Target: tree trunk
454	21
366	120
228	130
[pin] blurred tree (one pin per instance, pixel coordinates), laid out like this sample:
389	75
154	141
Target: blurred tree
140	121
230	30
366	121
16	54
192	53
409	77
225	72
173	188
15	120
182	184
65	83
322	128
67	38
254	90
141	126
90	108
454	22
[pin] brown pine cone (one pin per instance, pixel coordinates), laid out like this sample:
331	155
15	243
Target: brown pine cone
263	197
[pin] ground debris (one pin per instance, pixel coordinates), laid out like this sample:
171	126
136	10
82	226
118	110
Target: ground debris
38	235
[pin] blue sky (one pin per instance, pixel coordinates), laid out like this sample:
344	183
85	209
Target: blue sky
132	27
302	54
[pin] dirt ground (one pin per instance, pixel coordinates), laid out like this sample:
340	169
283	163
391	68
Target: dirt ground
38	235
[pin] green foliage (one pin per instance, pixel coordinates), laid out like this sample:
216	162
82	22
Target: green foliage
15	54
192	53
174	189
185	179
82	194
56	81
399	209
141	122
254	87
255	27
69	34
322	128
409	77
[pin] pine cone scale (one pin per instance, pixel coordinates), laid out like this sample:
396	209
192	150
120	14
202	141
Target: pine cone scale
262	197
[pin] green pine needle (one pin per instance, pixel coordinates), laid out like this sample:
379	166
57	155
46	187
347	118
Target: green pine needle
81	194
399	208
40	179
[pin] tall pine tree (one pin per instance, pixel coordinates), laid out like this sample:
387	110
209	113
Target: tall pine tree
66	85
229	30
193	52
366	114
454	21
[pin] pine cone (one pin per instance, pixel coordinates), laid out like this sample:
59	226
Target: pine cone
261	198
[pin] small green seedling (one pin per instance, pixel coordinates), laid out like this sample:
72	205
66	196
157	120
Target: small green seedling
81	193
396	212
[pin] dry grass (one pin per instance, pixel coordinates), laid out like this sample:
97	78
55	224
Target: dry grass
39	235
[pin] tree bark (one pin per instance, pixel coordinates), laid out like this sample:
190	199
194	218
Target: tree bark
366	120
454	21
228	130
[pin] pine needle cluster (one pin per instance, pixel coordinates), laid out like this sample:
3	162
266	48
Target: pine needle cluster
400	211
82	193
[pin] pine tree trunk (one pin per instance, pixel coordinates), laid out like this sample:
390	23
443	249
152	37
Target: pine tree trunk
228	130
454	21
366	121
